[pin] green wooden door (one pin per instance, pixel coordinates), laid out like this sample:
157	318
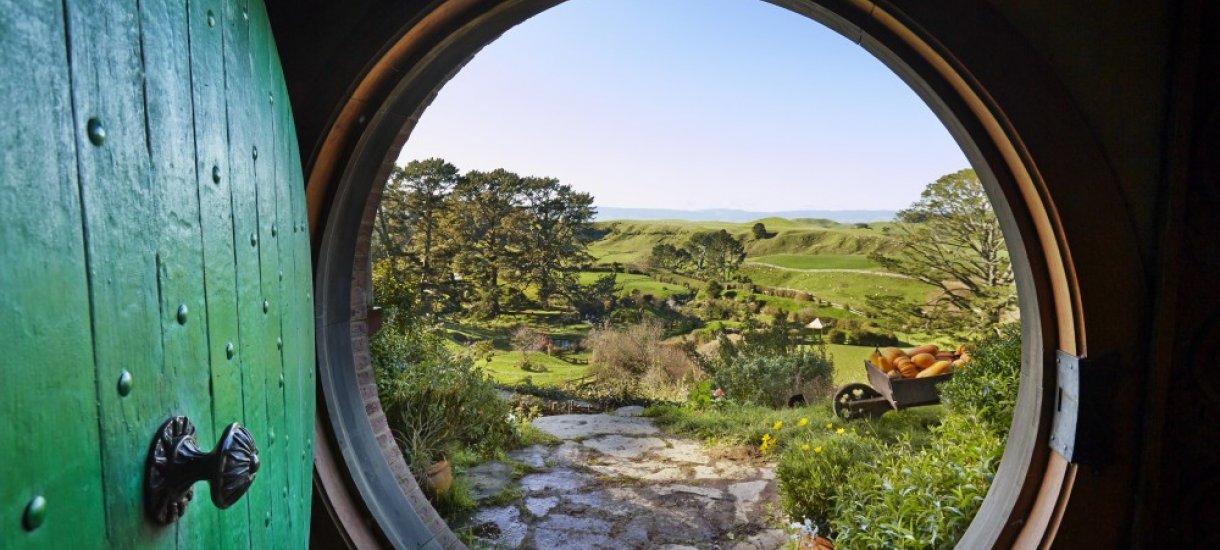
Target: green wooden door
154	262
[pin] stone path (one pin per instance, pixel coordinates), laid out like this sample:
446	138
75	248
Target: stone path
617	482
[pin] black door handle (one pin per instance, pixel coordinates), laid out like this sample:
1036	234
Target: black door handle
175	463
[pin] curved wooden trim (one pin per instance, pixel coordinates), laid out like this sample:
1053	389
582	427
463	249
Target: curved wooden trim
401	83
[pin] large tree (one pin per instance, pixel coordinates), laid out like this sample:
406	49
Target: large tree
485	219
715	254
447	239
556	222
409	230
668	256
950	239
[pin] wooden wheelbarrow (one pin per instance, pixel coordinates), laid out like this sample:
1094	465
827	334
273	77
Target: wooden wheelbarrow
883	393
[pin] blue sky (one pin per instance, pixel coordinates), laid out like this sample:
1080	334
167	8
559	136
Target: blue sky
690	104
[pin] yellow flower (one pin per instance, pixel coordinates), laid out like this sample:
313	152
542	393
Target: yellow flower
839	431
778	424
829	426
805	447
803	422
817	449
767	443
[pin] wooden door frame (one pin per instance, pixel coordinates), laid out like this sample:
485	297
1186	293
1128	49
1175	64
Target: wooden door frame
1055	191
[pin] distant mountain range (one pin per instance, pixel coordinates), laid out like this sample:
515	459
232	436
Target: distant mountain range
606	213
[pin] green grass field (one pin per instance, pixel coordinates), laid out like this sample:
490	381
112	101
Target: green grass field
828	261
838	287
631	242
849	362
630	282
503	368
794	245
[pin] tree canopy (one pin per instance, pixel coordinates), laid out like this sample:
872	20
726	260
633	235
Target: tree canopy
951	240
707	255
471	239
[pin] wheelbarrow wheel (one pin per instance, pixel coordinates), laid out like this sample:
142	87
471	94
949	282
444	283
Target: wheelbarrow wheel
859	400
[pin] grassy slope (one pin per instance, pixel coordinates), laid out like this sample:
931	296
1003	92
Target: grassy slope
632	241
795	244
643	283
837	287
849	362
503	365
828	261
503	368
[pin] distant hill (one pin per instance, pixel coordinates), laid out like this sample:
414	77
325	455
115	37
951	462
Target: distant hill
608	213
631	241
827	259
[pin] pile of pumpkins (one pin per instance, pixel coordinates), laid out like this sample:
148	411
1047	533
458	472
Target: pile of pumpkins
920	362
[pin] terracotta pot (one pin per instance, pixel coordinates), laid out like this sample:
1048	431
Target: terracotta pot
814	542
440	477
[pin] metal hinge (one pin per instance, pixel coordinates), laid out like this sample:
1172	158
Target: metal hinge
1078	430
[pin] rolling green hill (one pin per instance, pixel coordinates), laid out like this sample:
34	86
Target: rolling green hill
824	258
631	242
643	283
839	287
828	261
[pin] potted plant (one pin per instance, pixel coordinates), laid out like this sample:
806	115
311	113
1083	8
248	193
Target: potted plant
426	445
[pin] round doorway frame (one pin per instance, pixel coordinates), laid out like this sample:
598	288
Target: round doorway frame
357	456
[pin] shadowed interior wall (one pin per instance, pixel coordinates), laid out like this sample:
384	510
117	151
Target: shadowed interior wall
1142	82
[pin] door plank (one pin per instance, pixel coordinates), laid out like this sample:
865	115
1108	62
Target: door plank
116	234
119	202
242	97
44	293
169	104
304	317
269	357
293	322
211	32
296	306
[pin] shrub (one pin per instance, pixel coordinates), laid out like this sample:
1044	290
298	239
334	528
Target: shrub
481	351
713	289
918	499
805	316
436	402
530	366
701	395
987	386
869	337
772	379
526	339
866	493
713	310
811	478
628	360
